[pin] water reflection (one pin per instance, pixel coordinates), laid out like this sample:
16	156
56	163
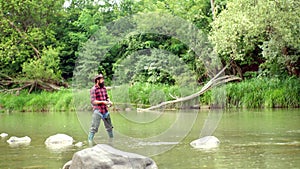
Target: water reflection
146	138
211	123
249	139
59	148
16	145
157	143
289	143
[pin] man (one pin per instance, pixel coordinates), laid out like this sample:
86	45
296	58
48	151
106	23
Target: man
100	101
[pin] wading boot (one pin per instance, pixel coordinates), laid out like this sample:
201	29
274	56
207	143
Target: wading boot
110	134
91	138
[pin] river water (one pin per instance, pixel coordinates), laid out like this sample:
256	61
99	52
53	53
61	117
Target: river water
249	138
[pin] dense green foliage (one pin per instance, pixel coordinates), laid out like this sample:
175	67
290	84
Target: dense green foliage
43	40
28	38
260	35
46	36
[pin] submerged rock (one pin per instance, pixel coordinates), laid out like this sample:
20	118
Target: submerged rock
59	141
207	142
79	144
3	135
16	141
105	156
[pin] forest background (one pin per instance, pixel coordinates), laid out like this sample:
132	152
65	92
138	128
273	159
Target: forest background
41	41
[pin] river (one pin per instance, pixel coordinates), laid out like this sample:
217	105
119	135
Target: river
249	138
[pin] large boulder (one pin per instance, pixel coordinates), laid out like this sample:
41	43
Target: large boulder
103	156
59	141
207	142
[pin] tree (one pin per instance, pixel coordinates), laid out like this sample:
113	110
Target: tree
81	20
260	31
92	16
28	39
198	12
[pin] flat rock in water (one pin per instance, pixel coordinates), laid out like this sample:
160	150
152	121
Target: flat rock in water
79	144
103	156
207	142
3	135
18	141
14	139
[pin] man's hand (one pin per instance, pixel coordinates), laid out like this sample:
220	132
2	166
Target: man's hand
100	102
109	103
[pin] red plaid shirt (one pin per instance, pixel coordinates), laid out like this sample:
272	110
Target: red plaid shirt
99	94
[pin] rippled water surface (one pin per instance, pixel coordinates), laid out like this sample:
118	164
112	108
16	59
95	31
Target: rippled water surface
249	139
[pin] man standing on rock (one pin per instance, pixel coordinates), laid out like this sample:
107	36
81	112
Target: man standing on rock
100	101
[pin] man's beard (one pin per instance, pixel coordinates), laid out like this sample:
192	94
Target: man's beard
101	85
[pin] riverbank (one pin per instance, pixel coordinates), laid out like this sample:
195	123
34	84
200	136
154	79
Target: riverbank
253	93
264	93
37	102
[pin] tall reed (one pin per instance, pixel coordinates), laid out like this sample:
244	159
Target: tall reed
264	93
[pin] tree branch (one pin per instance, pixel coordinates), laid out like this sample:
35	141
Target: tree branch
24	37
216	80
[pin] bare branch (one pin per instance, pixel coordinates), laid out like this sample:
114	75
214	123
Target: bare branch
216	80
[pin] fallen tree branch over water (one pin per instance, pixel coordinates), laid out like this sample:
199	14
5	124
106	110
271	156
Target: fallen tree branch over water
215	81
13	85
31	85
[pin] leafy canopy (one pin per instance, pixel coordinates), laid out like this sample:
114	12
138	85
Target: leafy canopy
270	27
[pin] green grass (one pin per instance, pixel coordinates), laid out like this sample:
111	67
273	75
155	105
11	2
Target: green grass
42	101
144	94
253	93
264	93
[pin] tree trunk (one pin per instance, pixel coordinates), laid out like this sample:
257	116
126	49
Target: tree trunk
212	4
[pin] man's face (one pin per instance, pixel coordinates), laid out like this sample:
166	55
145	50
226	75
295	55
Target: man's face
100	81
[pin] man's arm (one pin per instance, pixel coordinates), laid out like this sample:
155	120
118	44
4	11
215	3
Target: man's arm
92	95
93	98
100	102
